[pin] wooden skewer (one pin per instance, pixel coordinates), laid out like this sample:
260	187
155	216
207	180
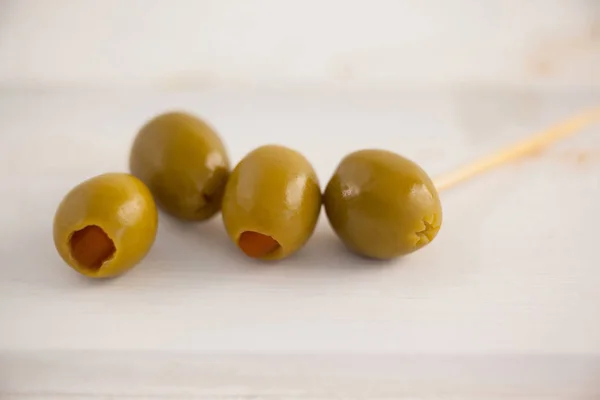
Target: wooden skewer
535	143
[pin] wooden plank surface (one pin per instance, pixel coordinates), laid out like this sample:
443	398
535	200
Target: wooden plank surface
513	276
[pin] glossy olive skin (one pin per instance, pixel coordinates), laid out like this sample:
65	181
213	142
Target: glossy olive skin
183	162
119	204
273	191
382	205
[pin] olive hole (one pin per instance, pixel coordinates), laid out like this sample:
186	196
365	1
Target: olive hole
91	247
257	245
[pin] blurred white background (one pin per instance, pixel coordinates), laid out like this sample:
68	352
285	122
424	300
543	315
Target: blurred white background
376	44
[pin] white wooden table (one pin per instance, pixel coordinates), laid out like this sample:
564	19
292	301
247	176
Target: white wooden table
505	302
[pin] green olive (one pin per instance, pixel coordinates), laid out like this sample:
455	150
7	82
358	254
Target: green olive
272	203
382	205
105	225
183	162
